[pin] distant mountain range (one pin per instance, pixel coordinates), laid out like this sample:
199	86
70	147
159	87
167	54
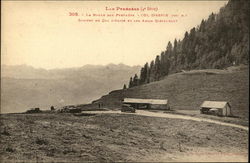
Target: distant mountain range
24	86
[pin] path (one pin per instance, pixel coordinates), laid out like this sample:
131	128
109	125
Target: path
167	115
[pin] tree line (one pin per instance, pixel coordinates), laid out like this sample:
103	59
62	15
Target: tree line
218	42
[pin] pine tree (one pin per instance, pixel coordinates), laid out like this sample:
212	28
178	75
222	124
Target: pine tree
151	72
162	64
175	52
157	68
130	83
143	75
202	26
146	72
124	86
135	80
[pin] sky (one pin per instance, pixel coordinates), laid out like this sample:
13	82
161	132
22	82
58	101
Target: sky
43	35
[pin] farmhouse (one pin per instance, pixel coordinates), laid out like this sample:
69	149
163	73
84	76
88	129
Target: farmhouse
147	103
220	108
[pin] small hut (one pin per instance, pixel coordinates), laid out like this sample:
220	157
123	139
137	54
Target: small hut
219	108
147	103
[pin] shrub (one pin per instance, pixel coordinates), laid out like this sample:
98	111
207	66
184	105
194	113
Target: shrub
9	149
41	141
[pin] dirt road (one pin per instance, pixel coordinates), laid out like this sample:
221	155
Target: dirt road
167	115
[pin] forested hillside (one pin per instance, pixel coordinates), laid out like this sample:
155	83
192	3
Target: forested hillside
218	42
187	90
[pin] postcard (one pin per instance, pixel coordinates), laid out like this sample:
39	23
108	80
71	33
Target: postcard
128	81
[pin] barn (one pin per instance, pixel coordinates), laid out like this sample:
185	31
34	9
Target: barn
219	108
147	103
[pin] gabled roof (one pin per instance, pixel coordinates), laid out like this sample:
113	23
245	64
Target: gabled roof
214	104
145	101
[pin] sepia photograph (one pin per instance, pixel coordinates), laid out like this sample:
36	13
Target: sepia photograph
124	81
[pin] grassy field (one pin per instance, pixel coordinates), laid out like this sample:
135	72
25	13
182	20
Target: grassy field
117	137
187	90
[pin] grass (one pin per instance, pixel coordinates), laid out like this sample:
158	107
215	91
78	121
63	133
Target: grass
111	137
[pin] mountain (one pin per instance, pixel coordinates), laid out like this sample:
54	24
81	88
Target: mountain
218	42
23	86
187	90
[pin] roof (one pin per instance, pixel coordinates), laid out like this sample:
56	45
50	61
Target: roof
145	101
214	104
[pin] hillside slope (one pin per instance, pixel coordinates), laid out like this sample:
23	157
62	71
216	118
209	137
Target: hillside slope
218	42
187	90
23	86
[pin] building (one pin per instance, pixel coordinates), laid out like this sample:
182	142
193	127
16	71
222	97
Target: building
219	108
147	103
